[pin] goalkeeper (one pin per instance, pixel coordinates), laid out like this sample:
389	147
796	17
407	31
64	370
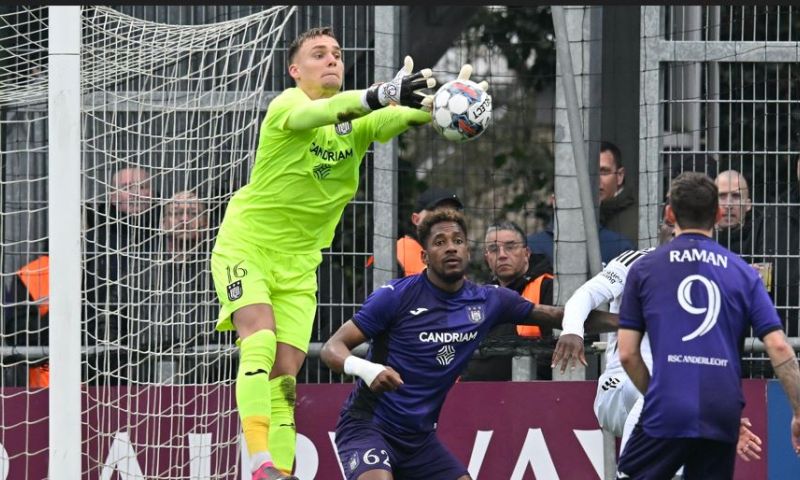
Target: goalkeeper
269	245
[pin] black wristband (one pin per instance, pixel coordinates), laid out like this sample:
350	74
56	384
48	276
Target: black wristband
372	97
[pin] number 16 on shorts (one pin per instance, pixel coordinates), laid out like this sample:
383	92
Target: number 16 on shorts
235	273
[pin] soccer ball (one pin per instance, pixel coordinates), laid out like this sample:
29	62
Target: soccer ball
461	110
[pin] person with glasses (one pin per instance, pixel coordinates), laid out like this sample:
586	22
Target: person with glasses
422	330
531	275
618	206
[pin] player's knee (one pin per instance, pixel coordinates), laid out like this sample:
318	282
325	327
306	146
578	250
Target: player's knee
289	360
258	352
253	318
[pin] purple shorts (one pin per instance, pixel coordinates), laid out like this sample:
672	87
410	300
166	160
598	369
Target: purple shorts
363	446
646	458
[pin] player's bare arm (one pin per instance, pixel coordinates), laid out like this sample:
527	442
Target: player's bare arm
599	321
337	355
550	317
317	68
545	316
784	363
569	348
630	355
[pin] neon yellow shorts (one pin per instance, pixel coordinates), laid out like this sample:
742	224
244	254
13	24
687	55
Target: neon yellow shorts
247	275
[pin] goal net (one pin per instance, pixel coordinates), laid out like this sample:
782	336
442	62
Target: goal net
170	117
23	237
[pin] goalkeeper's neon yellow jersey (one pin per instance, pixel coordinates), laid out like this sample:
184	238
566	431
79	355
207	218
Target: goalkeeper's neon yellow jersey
303	179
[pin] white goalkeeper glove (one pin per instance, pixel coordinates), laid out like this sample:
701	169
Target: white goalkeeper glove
403	89
466	72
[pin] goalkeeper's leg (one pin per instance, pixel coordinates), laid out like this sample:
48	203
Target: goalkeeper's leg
283	433
256	360
295	303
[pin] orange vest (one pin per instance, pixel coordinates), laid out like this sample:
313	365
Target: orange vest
532	292
36	278
409	256
39	376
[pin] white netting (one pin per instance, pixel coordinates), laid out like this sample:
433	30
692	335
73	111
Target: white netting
23	63
170	115
23	236
170	121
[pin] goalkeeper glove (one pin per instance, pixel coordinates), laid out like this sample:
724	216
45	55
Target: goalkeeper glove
403	89
466	72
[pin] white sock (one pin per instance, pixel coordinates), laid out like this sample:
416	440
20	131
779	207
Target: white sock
258	459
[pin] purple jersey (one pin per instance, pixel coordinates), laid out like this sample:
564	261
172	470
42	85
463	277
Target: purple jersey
427	335
696	300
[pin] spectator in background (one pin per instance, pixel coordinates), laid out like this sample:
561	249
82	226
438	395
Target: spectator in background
394	408
769	241
531	275
619	211
611	242
740	229
409	251
118	234
618	403
782	251
683	421
175	308
25	322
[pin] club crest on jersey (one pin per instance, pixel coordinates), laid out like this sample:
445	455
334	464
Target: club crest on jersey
475	313
343	128
353	463
235	290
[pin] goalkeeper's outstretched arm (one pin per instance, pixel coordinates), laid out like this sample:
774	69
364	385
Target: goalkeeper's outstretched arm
403	89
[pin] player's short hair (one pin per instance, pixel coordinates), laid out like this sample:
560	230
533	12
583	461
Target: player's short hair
694	199
615	152
308	34
509	226
439	216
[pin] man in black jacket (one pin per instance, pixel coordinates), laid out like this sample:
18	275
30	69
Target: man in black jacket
619	209
513	266
782	247
741	228
119	238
